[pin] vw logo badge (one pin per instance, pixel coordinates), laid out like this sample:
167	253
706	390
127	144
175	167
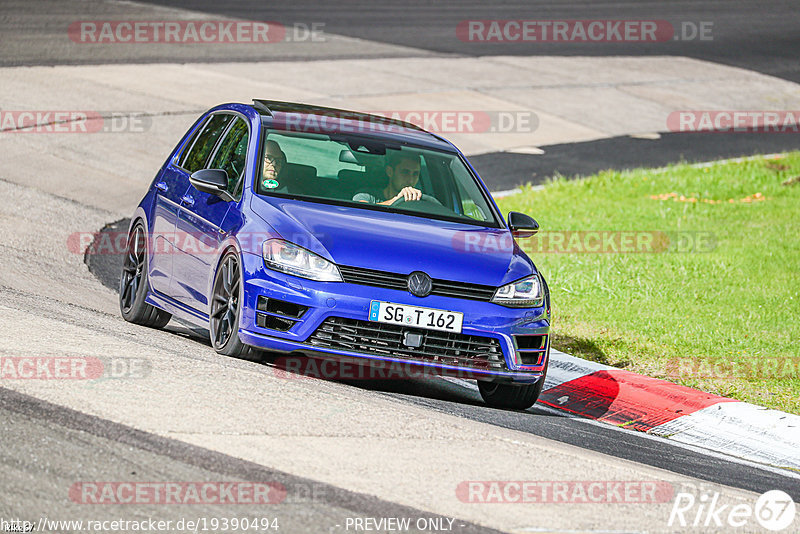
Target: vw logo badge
419	284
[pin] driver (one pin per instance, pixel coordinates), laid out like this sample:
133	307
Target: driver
274	160
402	168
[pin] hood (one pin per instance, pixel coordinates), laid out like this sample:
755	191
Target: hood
397	242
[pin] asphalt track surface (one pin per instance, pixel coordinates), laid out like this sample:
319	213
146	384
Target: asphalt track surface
761	36
502	171
43	443
80	439
452	398
756	35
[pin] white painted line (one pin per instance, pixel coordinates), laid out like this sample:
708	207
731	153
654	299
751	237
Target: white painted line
531	150
701	447
506	193
659	170
777	155
564	367
681	445
648	136
461	382
740	429
509	192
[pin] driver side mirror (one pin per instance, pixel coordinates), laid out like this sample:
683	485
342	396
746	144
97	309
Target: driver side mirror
211	181
522	225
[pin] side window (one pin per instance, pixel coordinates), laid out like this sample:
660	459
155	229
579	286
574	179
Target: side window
231	156
190	143
204	143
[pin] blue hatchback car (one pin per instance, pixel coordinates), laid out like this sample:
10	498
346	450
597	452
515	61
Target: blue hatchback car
320	232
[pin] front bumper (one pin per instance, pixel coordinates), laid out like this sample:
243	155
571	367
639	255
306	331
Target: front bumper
325	300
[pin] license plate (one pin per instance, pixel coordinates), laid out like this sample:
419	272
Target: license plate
403	314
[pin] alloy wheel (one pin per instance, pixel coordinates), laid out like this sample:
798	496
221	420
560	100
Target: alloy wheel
132	269
225	303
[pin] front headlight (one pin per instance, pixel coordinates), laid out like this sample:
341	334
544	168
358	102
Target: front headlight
525	293
289	258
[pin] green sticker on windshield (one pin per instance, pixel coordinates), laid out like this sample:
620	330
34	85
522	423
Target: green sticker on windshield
270	184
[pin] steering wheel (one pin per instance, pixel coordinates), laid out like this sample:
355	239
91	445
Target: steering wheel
426	204
425	198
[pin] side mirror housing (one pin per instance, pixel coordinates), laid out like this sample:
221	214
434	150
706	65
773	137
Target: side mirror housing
522	225
211	181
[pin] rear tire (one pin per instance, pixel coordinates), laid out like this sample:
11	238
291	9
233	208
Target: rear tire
226	308
133	284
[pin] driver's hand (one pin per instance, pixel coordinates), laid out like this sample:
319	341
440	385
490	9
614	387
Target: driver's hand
408	194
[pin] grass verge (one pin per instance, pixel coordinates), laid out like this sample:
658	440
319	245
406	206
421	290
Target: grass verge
697	276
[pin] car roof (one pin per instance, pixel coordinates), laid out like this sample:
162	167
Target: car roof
320	119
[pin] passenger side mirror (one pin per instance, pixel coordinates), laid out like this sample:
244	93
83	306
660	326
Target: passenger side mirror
522	225
211	181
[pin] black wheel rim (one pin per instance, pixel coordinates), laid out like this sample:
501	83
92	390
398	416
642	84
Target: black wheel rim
225	302
132	269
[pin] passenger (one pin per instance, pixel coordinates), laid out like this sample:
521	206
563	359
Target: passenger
402	169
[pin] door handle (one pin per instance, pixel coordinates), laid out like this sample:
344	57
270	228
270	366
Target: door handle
162	186
188	200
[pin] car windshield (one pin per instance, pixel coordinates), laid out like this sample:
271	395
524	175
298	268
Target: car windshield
373	174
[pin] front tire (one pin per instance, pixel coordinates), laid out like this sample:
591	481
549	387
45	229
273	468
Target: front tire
133	284
226	306
510	396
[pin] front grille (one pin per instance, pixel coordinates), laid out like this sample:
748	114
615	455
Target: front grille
442	288
378	339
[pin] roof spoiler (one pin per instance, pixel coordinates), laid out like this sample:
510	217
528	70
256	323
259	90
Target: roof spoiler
268	107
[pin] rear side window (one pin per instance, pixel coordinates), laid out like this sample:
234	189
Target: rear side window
204	143
231	156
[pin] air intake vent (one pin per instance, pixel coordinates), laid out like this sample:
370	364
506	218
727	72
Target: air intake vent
531	349
378	339
281	307
274	322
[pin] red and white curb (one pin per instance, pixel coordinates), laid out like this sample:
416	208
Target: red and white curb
665	409
617	396
679	413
